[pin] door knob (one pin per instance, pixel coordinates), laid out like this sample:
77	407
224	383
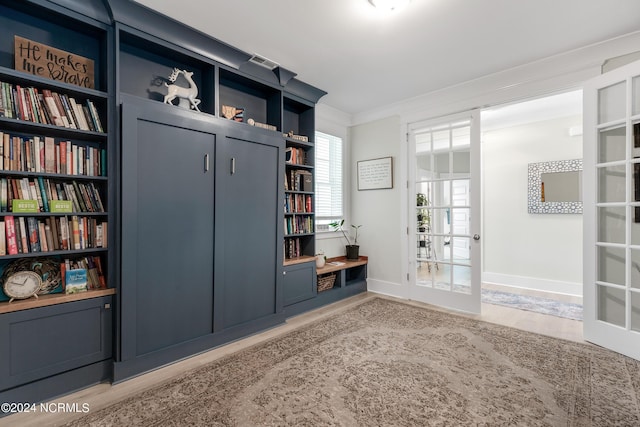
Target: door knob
476	237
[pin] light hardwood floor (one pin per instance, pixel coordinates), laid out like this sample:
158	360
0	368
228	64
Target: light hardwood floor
102	395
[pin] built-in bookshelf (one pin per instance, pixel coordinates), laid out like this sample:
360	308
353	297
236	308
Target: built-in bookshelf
53	179
53	157
56	192
299	196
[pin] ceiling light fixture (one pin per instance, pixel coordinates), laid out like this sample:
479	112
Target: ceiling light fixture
389	4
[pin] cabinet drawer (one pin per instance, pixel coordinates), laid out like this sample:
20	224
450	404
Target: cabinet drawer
45	341
299	283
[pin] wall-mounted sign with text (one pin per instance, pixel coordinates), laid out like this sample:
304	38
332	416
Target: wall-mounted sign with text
51	63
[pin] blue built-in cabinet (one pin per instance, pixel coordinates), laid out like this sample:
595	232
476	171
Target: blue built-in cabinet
199	233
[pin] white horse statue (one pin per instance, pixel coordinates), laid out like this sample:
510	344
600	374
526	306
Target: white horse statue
187	94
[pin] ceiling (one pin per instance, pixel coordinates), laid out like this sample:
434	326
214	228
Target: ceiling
366	59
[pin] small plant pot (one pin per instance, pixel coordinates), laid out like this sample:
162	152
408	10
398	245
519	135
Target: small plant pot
320	261
353	252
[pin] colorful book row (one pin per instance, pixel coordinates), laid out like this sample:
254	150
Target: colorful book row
298	203
84	197
298	225
24	235
46	107
45	155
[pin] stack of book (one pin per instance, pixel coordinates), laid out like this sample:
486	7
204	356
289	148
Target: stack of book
22	235
45	155
298	203
47	107
299	180
82	274
298	225
292	248
84	196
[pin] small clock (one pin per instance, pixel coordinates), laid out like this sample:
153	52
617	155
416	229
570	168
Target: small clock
22	285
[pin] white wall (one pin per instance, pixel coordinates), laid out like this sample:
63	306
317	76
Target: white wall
538	251
378	210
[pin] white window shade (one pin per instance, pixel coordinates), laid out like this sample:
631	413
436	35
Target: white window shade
328	178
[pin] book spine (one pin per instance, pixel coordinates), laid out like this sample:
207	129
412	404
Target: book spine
75	233
45	201
10	227
64	233
3	240
24	237
44	238
34	241
63	157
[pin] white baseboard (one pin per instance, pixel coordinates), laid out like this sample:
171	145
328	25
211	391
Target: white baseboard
555	286
387	288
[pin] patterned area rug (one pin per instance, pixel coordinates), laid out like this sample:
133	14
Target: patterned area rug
538	304
386	363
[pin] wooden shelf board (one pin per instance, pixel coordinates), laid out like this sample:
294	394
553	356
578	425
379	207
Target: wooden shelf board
328	268
299	260
52	299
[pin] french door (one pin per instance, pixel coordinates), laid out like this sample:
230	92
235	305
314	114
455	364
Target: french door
444	212
612	210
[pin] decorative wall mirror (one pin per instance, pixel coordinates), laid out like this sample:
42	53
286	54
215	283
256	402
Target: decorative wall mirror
555	187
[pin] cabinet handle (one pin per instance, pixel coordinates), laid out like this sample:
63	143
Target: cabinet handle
206	162
233	165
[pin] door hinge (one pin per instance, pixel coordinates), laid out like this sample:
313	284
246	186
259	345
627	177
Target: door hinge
407	277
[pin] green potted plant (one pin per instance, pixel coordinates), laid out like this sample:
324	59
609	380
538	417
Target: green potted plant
353	249
423	216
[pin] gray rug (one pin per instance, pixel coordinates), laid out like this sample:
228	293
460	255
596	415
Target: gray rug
385	363
531	303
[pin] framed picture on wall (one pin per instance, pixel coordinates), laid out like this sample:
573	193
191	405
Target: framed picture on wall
375	174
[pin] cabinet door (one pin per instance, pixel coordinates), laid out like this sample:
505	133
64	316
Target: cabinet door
299	283
249	240
45	341
167	229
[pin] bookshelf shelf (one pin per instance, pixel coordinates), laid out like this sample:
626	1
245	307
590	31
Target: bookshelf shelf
54	133
54	176
14	76
299	192
47	214
54	253
296	143
58	131
299	166
260	102
299	260
52	299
